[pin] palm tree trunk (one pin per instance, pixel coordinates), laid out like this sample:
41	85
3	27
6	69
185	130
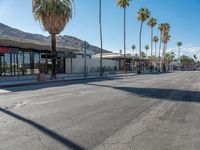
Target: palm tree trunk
146	53
140	47
179	49
179	62
151	42
179	56
156	55
101	39
53	53
163	55
160	51
125	67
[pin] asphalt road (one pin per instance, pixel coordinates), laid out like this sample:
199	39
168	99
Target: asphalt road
145	112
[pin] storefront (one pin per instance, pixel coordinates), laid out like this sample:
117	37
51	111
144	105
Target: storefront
17	61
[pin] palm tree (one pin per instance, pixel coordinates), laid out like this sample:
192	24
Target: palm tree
124	4
179	44
101	37
133	48
147	48
163	27
165	39
53	15
155	40
152	22
142	15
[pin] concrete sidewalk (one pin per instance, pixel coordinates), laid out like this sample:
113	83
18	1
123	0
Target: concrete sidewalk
16	83
62	78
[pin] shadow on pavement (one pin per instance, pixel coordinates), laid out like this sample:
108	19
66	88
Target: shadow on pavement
58	84
52	134
162	94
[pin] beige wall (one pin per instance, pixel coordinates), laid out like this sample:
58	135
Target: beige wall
92	64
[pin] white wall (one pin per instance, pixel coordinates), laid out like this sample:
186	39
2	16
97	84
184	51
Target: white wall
92	64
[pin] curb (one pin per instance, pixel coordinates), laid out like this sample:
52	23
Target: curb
63	80
40	83
55	81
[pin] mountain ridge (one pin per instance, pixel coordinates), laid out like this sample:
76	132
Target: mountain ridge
65	40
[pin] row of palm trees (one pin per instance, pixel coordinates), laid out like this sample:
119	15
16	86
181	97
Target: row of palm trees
143	15
55	14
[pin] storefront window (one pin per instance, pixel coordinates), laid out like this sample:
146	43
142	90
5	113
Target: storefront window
60	66
15	61
1	64
43	62
36	63
21	63
27	66
8	69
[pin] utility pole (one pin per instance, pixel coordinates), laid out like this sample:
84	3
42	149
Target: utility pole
101	38
85	61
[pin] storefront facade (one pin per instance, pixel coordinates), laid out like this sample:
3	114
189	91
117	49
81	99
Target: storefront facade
17	61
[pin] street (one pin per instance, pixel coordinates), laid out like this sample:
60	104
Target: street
140	112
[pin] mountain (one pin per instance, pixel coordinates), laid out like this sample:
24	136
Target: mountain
70	41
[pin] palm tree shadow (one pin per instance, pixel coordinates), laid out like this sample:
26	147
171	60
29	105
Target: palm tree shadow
157	93
66	142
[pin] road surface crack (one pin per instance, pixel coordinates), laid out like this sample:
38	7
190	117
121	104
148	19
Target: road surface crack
40	140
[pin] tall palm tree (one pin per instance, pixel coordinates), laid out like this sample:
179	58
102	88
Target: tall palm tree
155	40
152	22
162	28
142	15
147	48
53	15
179	44
133	48
124	4
101	37
165	39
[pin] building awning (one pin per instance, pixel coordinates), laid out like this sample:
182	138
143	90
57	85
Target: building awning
114	56
33	44
66	55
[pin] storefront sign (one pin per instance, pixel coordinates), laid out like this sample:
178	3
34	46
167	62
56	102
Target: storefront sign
5	50
8	50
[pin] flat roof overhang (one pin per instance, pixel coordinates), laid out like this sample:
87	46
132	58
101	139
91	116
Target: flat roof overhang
33	44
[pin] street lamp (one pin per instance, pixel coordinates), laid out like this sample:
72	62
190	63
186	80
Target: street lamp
84	46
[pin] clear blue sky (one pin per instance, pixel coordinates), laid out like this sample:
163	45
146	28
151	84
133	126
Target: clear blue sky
182	15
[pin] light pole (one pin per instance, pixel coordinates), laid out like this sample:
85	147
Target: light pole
85	60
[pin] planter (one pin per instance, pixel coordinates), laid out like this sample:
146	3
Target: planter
41	77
